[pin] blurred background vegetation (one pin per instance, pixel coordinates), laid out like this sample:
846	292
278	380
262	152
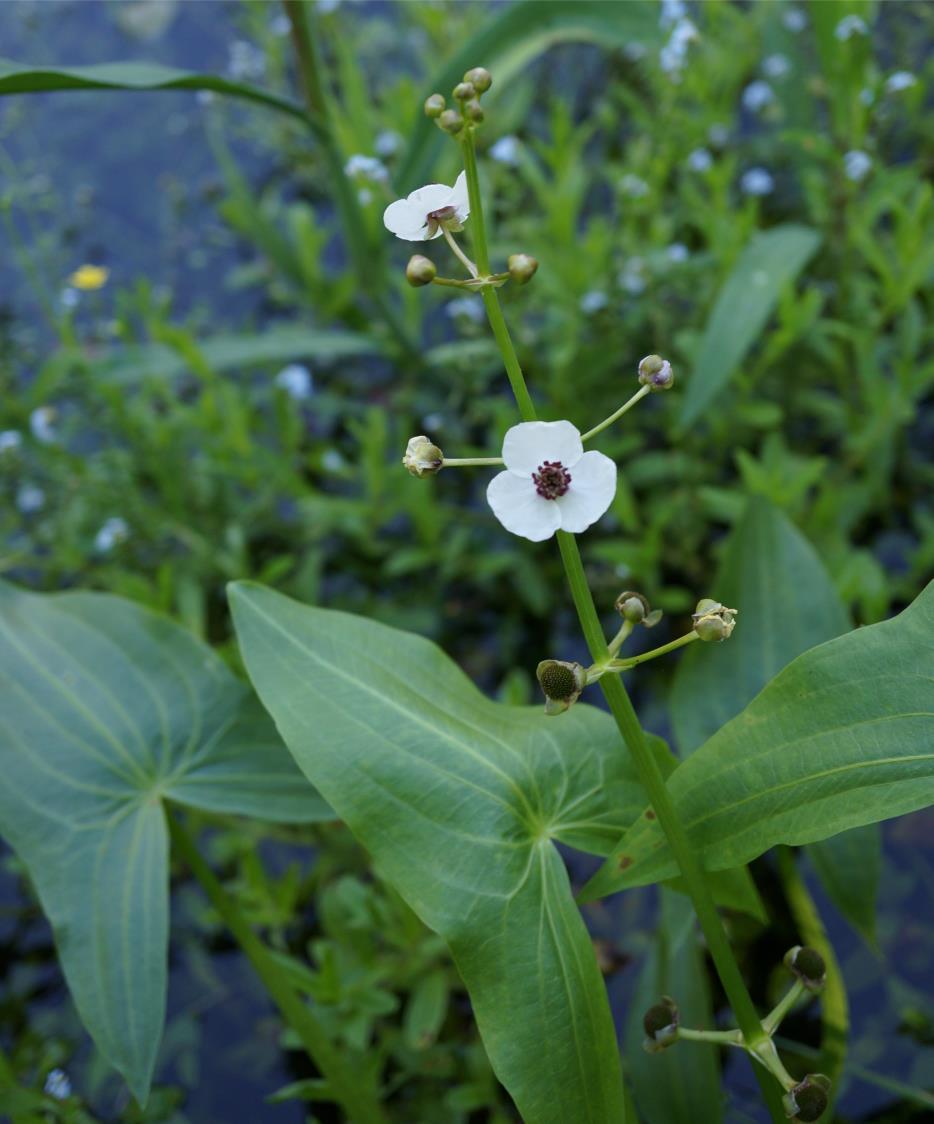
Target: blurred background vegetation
744	188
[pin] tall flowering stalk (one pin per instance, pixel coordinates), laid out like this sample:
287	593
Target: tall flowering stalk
551	487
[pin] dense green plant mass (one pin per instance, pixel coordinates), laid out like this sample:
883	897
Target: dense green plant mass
742	189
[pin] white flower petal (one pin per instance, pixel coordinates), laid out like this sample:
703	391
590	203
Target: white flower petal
527	444
431	197
405	221
520	509
593	486
460	197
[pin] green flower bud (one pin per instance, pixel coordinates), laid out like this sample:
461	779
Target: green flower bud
632	607
808	1099
474	110
562	683
660	1024
451	121
422	458
420	271
808	965
522	268
656	373
434	105
464	91
713	621
479	78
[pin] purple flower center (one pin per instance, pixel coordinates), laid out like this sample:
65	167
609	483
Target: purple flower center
441	215
551	480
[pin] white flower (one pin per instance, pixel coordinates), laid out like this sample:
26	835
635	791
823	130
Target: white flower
10	440
776	66
757	181
506	150
42	424
757	95
700	160
420	216
550	483
794	19
57	1085
296	381
114	531
857	165
900	80
593	301
29	498
368	167
850	26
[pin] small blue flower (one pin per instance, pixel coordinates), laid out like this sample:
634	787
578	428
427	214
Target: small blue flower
367	167
776	66
757	96
850	26
757	181
700	160
471	308
58	1085
594	301
10	441
296	381
30	498
794	20
42	424
387	142
900	80
857	164
506	150
114	531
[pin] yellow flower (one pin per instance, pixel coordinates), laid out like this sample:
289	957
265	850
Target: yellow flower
89	277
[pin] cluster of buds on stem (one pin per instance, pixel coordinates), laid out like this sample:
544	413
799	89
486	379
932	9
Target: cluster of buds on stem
467	94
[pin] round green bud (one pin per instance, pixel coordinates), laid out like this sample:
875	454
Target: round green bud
562	682
807	1101
808	965
479	77
464	91
420	271
422	458
521	267
451	121
656	373
474	110
632	606
434	105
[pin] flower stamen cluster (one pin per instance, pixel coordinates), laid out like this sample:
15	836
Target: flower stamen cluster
552	480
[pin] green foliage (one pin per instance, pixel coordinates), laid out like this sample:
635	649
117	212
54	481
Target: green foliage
840	738
458	799
108	710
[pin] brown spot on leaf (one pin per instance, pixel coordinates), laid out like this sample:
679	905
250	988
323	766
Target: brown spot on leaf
625	861
649	814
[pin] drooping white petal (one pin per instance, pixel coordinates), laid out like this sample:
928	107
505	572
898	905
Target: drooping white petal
528	444
593	486
460	197
405	221
520	509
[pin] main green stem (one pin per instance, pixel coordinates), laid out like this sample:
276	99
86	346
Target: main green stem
349	1087
615	693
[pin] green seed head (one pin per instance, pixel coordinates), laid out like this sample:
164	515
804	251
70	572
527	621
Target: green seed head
562	682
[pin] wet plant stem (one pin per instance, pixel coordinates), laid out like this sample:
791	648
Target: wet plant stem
346	1084
621	707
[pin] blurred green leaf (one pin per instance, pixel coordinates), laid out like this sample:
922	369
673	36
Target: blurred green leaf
849	866
18	78
842	737
508	42
458	799
771	260
676	1086
107	709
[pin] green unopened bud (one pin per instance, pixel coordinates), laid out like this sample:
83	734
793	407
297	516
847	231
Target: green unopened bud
422	458
434	105
451	121
808	965
656	373
632	606
660	1024
713	621
464	91
479	77
562	683
474	110
522	267
808	1099
420	271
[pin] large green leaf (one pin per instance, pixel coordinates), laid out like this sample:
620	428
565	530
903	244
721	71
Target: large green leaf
277	344
678	1086
772	260
844	736
459	800
509	41
18	78
107	709
787	604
